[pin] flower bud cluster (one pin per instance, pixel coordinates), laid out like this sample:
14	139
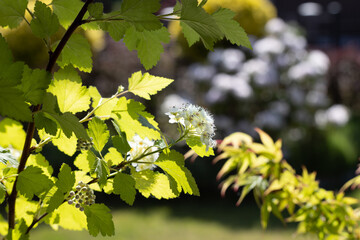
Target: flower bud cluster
197	122
82	196
84	144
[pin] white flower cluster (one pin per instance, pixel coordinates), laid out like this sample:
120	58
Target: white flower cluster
197	122
139	147
82	196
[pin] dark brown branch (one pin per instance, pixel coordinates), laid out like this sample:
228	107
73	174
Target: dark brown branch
35	221
31	126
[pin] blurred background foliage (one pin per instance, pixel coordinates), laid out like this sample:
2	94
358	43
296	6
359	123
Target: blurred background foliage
299	83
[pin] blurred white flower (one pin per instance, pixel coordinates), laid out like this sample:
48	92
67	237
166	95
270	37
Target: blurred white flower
321	118
223	81
275	26
215	95
199	72
227	59
242	89
338	114
232	59
315	64
293	40
262	72
268	46
141	146
172	100
300	71
319	60
216	56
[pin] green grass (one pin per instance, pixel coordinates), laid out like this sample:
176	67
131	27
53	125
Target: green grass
184	221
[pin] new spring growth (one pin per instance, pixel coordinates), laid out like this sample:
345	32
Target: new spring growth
82	196
197	122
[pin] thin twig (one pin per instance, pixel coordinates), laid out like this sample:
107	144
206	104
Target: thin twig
31	126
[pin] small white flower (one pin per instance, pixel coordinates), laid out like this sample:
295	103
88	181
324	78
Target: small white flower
140	146
196	121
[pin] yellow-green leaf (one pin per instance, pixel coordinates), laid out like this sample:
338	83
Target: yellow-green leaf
71	95
144	85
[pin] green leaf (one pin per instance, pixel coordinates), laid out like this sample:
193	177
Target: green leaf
67	73
42	122
173	164
105	109
198	24
45	23
65	144
34	84
7	158
69	124
71	95
147	43
50	103
12	104
66	10
231	28
139	13
28	209
12	100
11	75
67	217
12	133
116	29
12	12
265	214
2	193
76	52
85	161
200	149
38	160
202	3
32	181
101	169
64	184
66	179
6	57
121	144
146	85
124	185
96	9
119	141
153	183
55	201
99	133
113	157
127	113
99	220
